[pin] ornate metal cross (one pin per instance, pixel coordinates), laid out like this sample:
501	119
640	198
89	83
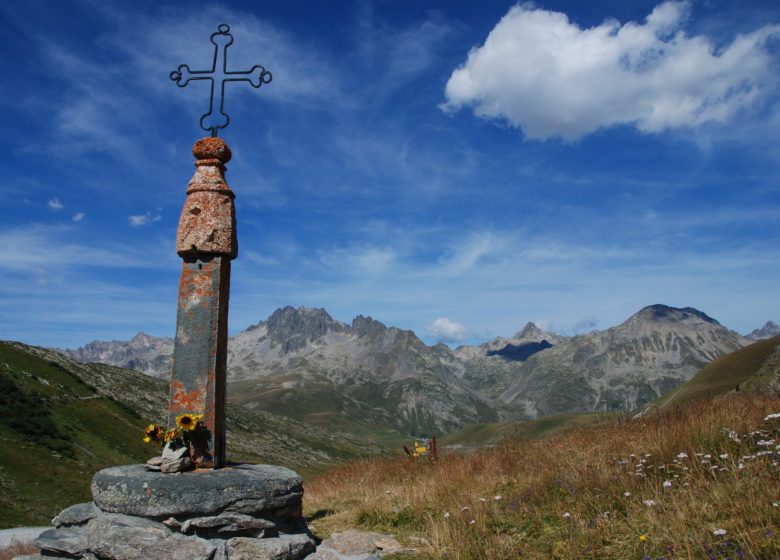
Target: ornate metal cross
219	73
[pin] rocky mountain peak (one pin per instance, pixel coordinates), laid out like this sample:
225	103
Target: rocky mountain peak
660	312
367	326
294	328
529	331
143	340
769	330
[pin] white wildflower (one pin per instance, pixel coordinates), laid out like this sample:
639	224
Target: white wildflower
567	515
734	436
765	442
472	522
719	532
667	483
626	494
446	514
724	455
483	499
649	503
496	498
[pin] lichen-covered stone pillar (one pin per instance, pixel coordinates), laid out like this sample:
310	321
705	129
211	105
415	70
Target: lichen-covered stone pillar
206	241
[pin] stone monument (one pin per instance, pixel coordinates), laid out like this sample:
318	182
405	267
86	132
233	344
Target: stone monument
217	511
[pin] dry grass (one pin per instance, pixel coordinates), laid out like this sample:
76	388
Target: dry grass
583	494
17	549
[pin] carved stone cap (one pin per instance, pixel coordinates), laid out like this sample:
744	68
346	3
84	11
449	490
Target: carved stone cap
208	222
212	148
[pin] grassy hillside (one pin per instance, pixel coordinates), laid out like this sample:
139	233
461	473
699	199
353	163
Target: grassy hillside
751	368
61	421
486	435
698	481
55	431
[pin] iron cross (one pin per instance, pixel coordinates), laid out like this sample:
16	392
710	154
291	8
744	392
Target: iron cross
219	73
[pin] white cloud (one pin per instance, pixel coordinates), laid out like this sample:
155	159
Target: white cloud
473	250
546	75
585	325
78	216
445	330
143	219
360	259
55	204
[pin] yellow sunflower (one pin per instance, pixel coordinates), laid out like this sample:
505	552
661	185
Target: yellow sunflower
153	432
188	422
171	435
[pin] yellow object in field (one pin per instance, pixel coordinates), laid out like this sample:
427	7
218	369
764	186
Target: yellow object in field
425	448
419	449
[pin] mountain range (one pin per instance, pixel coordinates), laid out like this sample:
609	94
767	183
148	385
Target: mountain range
365	376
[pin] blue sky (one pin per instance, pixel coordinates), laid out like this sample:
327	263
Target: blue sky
455	168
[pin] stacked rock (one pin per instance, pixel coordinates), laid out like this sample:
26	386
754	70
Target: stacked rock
235	513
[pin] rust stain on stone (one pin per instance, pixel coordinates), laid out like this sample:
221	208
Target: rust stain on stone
182	401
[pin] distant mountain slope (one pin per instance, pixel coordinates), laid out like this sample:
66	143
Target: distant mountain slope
769	330
755	368
621	368
304	364
60	421
480	436
151	355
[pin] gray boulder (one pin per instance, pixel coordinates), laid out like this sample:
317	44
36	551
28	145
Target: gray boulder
68	541
357	545
283	547
122	537
258	490
75	515
228	524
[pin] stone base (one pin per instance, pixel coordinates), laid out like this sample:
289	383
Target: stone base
237	513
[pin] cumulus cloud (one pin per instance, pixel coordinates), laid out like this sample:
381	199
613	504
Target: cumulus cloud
445	330
55	204
143	219
544	74
78	216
